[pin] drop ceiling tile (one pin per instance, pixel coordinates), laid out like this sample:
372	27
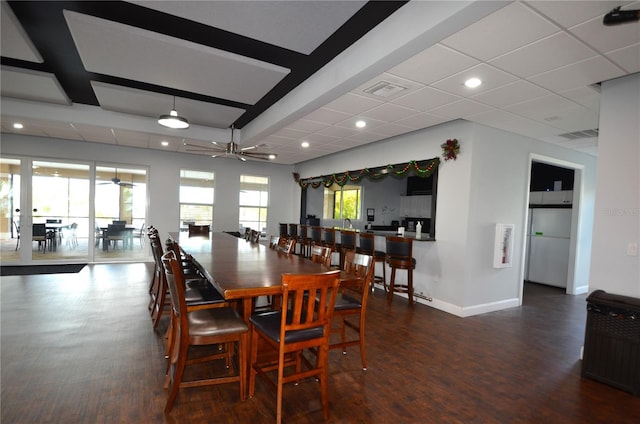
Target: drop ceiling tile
425	99
433	64
509	94
579	74
31	85
542	108
351	123
95	133
587	96
491	78
307	125
390	130
607	38
336	131
628	58
365	137
460	109
114	49
421	120
353	104
513	123
327	116
291	133
316	138
511	27
389	112
572	12
551	52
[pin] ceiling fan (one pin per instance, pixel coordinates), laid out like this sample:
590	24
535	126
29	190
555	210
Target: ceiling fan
117	181
231	149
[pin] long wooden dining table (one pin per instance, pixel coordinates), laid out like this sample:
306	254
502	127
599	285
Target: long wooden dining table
242	270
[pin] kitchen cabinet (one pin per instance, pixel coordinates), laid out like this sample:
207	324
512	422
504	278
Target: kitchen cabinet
418	206
560	197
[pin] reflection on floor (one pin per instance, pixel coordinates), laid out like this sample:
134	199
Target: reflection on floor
137	253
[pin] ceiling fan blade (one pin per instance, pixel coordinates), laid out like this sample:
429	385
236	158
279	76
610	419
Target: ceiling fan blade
257	146
126	184
203	149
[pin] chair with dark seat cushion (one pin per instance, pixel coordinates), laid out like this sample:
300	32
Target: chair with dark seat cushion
329	239
304	240
298	326
42	236
116	233
367	246
352	302
400	256
218	327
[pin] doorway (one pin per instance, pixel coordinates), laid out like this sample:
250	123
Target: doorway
553	225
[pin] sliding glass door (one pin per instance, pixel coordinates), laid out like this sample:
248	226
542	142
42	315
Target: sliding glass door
61	212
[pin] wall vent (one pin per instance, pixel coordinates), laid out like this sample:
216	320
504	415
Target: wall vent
384	89
580	134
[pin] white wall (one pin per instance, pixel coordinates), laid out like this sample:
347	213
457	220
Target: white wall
487	184
617	211
164	171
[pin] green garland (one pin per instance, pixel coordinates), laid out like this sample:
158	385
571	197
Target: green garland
397	170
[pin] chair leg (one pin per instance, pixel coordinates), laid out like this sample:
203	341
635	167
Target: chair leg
176	373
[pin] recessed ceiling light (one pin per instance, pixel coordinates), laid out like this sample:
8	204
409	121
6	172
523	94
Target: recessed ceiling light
305	144
165	143
272	156
18	126
473	82
361	124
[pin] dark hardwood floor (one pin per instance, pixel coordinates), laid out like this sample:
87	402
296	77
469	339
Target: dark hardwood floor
79	348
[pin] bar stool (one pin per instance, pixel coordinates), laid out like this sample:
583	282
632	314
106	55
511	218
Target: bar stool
284	230
367	246
329	239
293	233
305	241
347	242
400	256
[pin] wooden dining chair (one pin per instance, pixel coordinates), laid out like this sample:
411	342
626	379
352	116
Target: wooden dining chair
199	230
247	234
352	302
286	245
304	240
321	255
205	327
297	326
255	236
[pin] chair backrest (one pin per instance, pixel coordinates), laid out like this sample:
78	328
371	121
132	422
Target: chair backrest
39	230
119	222
283	229
316	234
247	234
293	230
399	248
304	231
199	230
53	221
329	237
362	266
255	236
348	239
321	255
367	243
286	245
175	282
299	314
274	241
115	230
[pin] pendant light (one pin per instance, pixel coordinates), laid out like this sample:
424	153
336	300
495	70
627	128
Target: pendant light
173	120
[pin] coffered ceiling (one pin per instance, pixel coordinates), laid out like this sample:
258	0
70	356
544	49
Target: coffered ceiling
285	72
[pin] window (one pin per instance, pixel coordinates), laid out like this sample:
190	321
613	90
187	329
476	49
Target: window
254	202
196	198
342	202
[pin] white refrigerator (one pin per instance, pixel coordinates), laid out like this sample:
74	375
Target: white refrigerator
547	260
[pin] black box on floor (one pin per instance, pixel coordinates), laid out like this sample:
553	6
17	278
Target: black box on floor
612	341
